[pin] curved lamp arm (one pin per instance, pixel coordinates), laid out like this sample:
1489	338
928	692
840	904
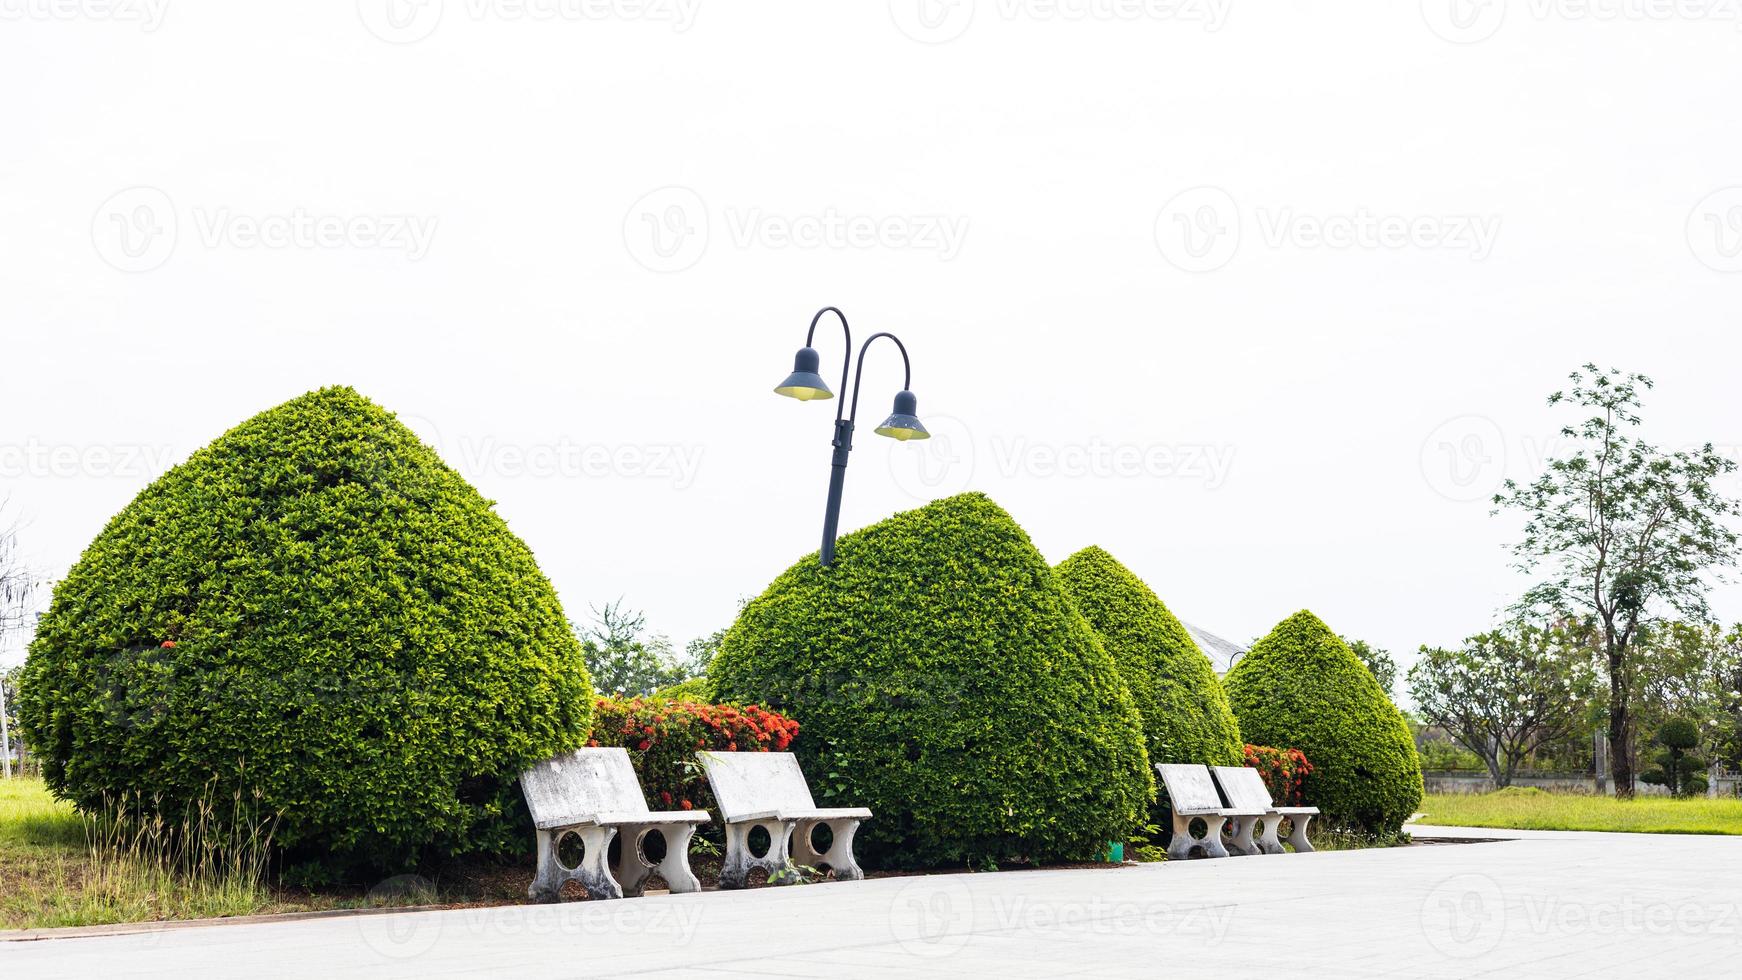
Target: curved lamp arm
846	358
858	376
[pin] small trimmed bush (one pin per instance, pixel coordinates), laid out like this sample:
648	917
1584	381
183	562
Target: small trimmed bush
1185	712
1301	686
314	609
945	680
1284	772
664	736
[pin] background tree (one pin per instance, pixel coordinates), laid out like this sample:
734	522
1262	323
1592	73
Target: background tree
1504	693
1378	661
1621	531
1692	671
1677	765
623	659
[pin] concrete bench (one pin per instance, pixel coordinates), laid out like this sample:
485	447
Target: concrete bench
1192	795
593	793
1245	790
767	790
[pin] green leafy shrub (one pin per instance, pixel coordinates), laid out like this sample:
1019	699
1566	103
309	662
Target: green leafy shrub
1284	772
314	608
1678	766
663	737
945	680
1301	686
1185	712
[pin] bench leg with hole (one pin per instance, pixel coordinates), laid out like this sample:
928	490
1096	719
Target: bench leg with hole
839	856
1242	842
1183	842
739	862
1267	841
1298	836
593	872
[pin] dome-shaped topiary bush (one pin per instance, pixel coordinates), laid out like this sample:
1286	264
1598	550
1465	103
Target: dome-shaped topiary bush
316	609
1301	687
1185	711
941	677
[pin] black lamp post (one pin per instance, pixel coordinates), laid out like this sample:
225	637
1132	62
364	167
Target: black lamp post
805	384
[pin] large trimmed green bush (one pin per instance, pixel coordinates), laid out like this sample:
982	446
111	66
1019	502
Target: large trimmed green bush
1185	711
314	608
1302	687
941	677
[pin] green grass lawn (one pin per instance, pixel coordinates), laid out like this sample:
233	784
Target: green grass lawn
1533	809
58	870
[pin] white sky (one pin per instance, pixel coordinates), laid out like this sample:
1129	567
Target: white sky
1302	425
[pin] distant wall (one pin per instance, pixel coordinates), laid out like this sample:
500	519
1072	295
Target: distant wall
1554	782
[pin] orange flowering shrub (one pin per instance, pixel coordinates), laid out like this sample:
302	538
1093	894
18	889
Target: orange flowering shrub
664	736
1284	771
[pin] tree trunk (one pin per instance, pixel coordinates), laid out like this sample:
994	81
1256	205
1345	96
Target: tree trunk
1620	744
1501	775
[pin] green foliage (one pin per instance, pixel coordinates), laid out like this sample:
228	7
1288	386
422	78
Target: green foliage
1507	692
1378	661
1302	687
317	610
1619	531
621	661
1677	766
945	680
1437	756
1185	711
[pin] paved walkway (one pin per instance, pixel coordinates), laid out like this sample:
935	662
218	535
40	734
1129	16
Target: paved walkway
1538	905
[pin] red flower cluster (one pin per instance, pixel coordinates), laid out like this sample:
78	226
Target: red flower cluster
1284	771
663	737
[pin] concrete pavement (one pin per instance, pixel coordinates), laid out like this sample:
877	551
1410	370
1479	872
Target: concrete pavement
1537	905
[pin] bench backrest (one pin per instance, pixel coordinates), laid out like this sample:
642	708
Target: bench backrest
1244	787
572	788
754	782
1189	787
